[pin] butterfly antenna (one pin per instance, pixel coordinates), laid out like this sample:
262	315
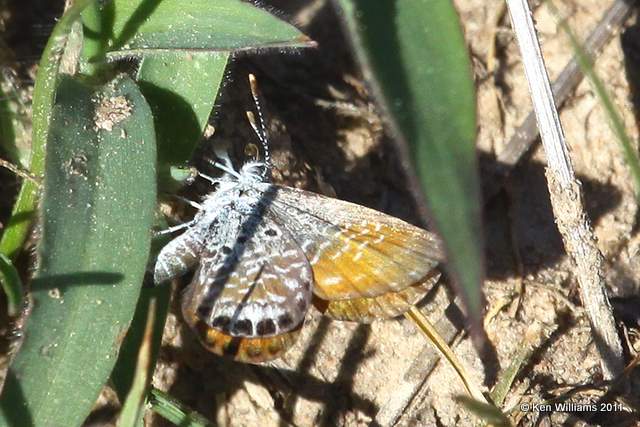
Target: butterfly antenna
259	128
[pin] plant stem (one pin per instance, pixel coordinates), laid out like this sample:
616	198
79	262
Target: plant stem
443	348
171	410
566	196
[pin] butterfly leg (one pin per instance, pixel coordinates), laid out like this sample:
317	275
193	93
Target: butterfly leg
191	203
174	228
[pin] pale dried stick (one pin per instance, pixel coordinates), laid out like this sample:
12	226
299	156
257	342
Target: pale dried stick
566	196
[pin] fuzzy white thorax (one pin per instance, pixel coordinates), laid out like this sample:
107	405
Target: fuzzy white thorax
242	187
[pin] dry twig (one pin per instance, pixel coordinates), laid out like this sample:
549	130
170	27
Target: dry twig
566	196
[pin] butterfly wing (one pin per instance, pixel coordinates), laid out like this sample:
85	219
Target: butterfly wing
358	253
249	296
385	306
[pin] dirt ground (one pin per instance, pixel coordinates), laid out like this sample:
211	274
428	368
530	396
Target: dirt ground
328	137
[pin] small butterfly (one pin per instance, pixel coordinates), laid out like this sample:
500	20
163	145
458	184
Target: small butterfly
264	253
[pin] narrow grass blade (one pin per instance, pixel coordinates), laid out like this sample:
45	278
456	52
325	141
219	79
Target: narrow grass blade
530	343
615	120
43	98
133	408
97	210
414	56
141	27
443	348
11	284
487	413
125	371
14	138
181	89
174	411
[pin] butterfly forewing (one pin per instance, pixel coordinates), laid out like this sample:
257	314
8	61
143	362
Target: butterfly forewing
355	252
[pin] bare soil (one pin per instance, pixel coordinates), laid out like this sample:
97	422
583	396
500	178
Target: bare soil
327	136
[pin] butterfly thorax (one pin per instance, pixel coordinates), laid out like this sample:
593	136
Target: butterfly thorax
243	193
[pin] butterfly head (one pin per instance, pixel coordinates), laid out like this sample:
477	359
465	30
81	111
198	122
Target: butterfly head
253	173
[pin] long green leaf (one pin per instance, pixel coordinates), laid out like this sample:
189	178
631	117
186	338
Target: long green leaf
11	284
133	408
184	48
175	412
414	55
181	89
98	205
143	27
43	98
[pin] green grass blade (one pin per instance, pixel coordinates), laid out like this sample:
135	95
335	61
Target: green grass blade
174	411
14	138
615	120
414	55
99	199
43	97
124	373
530	343
181	89
142	27
133	408
11	284
489	414
97	29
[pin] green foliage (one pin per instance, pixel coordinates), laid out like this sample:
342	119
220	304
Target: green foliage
98	205
100	189
43	97
173	411
100	175
181	88
414	55
146	27
11	284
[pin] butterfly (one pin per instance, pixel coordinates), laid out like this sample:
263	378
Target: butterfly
264	253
